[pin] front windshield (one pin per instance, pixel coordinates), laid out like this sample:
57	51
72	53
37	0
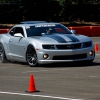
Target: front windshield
45	29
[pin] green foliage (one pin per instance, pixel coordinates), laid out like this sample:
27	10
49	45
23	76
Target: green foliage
52	10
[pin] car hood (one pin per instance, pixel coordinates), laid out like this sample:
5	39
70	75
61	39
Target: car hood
61	38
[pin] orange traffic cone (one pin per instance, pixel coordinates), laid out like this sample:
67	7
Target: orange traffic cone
96	48
31	87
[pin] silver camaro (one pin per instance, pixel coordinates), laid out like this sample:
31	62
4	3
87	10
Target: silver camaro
40	42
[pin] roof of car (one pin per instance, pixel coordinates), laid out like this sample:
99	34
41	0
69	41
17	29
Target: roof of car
33	23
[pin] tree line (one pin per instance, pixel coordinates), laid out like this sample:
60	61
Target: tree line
15	11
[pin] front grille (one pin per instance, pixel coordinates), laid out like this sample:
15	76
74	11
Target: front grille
69	46
70	57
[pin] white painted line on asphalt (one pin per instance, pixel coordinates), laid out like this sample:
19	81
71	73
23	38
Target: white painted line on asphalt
95	76
43	96
43	70
35	71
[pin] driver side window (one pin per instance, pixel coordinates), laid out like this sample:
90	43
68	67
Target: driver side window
16	30
19	30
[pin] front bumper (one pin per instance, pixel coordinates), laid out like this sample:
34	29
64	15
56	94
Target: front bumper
65	55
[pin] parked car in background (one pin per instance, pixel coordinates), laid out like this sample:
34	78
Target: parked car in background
41	42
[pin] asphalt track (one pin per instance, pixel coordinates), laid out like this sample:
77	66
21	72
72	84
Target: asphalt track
63	81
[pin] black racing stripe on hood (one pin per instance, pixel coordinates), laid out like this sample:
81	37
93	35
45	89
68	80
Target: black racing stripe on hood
74	39
57	38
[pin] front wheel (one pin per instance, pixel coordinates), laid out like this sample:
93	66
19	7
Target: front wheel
31	57
88	62
3	58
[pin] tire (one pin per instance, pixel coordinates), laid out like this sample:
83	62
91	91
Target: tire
31	57
3	58
88	62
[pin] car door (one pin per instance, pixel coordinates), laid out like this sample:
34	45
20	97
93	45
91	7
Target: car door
17	45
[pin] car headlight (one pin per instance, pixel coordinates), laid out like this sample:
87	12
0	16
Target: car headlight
86	44
48	46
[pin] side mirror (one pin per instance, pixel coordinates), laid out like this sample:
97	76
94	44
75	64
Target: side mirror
18	35
73	31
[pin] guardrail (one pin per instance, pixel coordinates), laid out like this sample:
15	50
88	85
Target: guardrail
90	31
86	30
2	31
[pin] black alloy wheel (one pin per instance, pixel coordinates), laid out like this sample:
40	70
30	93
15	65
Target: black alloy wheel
31	57
3	58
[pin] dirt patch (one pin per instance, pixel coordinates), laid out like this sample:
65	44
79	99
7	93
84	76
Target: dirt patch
74	23
82	23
